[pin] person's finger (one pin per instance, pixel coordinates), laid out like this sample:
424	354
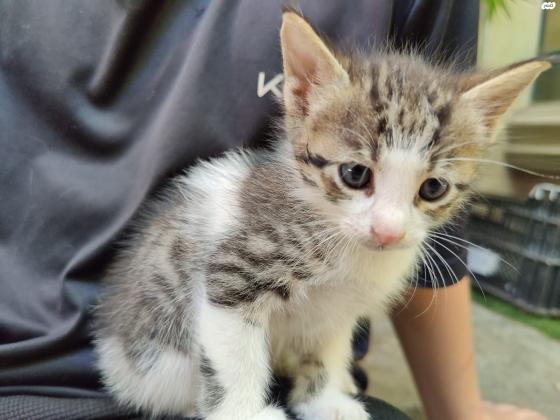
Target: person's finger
510	412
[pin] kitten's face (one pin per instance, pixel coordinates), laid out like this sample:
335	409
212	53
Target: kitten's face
384	144
373	154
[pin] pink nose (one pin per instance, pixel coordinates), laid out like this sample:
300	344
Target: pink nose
385	236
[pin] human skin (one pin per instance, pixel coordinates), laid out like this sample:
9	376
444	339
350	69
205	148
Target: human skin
435	330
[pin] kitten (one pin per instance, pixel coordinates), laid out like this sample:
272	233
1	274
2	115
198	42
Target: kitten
260	262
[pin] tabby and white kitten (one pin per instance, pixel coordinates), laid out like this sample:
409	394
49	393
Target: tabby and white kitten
260	262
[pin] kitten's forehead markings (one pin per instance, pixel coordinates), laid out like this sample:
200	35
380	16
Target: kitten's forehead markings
353	139
382	78
406	115
374	89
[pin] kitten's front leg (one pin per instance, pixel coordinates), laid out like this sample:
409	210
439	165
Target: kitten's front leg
235	367
322	387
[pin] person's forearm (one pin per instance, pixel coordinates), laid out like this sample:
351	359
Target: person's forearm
436	335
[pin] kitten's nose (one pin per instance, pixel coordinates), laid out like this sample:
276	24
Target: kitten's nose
387	235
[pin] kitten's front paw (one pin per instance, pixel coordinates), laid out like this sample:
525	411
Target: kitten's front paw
268	413
271	413
331	407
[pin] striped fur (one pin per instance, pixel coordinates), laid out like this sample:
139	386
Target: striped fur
259	262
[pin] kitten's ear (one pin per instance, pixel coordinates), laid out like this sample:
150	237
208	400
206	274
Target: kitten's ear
308	62
494	92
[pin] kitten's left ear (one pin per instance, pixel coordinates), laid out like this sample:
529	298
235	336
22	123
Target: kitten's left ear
494	92
308	63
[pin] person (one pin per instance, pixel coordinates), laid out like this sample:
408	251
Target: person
101	102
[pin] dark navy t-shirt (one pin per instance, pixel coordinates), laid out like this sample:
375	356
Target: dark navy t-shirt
102	101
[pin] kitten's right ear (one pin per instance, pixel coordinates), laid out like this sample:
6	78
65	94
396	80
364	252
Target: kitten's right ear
493	93
308	63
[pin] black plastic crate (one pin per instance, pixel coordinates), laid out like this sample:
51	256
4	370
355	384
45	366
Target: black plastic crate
517	256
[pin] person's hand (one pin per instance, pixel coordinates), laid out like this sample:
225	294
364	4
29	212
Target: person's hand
492	411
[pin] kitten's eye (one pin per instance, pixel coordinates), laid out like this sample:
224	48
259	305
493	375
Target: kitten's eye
433	189
355	175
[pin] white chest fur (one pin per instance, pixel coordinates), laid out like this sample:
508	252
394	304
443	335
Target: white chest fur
363	284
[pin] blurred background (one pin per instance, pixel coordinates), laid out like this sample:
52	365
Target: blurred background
514	228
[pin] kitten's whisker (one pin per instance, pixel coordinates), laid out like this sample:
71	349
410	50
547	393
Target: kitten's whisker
444	150
327	246
446	237
428	265
453	146
435	287
416	275
504	164
512	136
324	237
462	262
320	236
346	247
431	271
450	271
333	239
432	258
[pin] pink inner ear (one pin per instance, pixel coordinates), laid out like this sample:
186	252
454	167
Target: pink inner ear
494	92
300	69
307	62
300	91
298	75
299	47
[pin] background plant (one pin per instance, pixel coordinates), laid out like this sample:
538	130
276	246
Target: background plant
494	6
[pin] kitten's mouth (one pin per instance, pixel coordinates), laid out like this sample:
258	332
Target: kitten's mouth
374	246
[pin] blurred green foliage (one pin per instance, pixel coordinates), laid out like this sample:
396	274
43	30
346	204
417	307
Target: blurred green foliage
494	6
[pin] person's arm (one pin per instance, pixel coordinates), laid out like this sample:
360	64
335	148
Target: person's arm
436	335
